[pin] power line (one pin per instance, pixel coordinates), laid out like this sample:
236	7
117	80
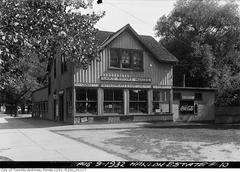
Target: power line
127	13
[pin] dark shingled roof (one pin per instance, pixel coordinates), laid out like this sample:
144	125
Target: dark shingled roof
159	52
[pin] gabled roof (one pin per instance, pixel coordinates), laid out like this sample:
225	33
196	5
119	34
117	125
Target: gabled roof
104	38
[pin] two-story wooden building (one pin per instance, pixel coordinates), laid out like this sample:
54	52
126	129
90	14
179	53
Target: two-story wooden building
132	81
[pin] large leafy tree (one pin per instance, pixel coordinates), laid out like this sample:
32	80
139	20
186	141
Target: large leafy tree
32	31
205	37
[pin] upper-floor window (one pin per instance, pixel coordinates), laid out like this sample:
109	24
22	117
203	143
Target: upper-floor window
126	59
63	63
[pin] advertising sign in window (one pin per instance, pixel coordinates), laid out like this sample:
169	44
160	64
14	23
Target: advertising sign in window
186	107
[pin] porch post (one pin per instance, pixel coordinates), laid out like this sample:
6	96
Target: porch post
171	100
100	99
150	99
73	103
126	101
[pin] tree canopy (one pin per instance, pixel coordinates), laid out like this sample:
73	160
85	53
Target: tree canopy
32	31
205	37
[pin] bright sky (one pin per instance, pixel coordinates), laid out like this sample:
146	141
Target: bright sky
142	15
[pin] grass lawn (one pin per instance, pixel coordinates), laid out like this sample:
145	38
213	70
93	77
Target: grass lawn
153	142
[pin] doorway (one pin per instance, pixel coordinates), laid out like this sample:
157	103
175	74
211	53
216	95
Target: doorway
61	107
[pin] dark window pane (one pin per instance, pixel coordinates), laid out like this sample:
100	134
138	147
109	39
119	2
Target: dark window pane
133	94
92	94
125	56
118	107
137	59
156	107
81	107
114	58
133	107
108	107
198	96
177	96
143	107
143	95
156	96
80	94
108	94
118	95
92	107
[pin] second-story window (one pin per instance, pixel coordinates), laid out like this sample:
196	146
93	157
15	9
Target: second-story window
126	59
63	63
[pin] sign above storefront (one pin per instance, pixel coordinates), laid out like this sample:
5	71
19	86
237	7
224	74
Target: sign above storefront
125	86
125	79
188	97
86	85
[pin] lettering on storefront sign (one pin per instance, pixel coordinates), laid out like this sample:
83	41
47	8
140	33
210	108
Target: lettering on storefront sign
188	97
86	85
125	79
125	86
186	107
161	86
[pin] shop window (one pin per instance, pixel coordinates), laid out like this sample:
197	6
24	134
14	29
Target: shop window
126	59
113	101
177	96
198	96
86	100
138	101
161	101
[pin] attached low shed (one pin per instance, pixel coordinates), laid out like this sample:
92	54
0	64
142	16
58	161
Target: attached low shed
193	104
40	103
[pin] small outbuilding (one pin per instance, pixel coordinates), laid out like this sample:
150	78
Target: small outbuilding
193	104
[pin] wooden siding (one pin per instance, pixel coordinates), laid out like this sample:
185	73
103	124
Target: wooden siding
160	73
40	95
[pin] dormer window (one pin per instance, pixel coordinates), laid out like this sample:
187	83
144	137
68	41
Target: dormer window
126	59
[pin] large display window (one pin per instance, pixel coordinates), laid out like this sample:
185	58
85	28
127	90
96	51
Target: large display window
113	101
161	101
86	100
138	101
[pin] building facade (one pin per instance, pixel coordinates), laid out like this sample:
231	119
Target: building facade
132	81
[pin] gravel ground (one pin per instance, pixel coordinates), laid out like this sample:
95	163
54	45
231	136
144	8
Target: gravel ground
196	143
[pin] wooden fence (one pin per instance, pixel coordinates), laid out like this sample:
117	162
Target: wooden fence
227	115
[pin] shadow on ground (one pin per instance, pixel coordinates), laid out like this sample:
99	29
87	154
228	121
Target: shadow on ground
27	122
191	125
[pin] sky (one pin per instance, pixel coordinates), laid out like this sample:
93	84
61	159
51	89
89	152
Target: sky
142	15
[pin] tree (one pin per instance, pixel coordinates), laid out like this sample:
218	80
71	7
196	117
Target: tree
32	31
205	37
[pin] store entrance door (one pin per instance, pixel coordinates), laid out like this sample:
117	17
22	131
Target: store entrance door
61	107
